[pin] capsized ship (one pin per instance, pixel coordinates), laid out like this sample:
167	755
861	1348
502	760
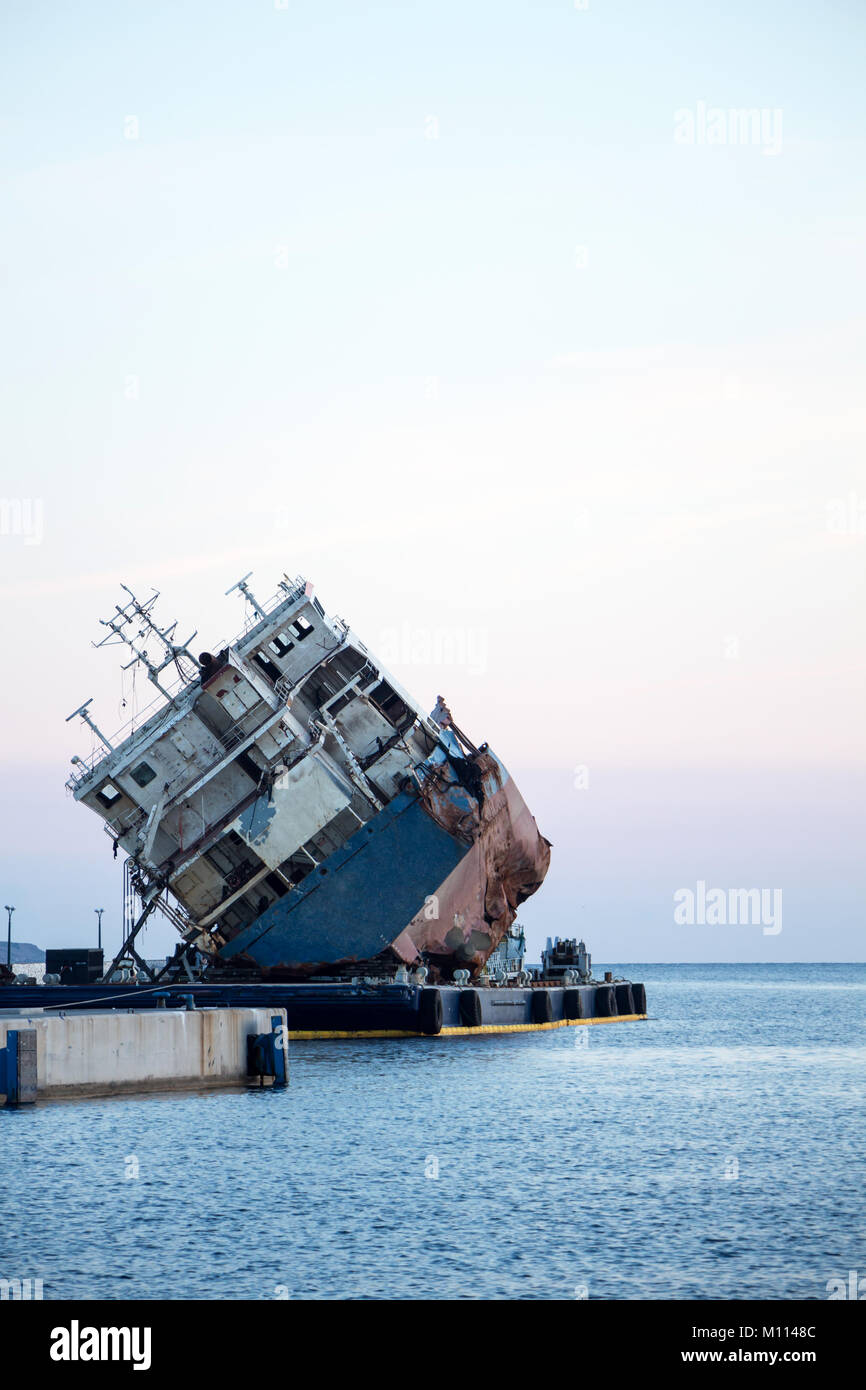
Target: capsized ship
295	813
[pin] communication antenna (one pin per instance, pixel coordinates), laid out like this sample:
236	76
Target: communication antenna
248	595
137	615
82	710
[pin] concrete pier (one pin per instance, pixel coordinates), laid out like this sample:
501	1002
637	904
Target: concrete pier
114	1052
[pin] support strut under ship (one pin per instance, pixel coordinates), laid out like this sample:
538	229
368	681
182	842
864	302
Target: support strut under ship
295	813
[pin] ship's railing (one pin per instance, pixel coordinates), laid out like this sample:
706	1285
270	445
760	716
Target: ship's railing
178	786
236	733
292	591
176	913
122	823
85	766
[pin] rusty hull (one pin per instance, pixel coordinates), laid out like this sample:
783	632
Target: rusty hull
459	840
508	859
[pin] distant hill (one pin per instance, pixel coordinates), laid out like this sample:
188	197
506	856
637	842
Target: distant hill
23	953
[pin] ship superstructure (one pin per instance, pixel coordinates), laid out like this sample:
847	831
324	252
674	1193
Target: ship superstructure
294	811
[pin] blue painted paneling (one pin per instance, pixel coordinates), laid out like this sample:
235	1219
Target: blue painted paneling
362	896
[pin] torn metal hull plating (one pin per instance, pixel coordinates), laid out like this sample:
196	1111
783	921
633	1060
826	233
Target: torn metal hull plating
478	901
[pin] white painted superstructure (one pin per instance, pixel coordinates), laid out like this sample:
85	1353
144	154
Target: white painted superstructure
259	762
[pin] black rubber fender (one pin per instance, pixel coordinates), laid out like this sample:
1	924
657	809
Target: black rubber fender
542	1007
572	1003
430	1012
639	996
470	1008
624	999
605	1002
257	1055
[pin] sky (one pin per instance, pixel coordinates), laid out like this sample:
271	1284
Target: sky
500	325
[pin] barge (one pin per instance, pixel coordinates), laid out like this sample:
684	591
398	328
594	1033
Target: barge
375	1010
514	1001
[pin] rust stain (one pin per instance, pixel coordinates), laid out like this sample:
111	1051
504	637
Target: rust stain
506	863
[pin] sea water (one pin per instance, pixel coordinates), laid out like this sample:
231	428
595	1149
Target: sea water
715	1151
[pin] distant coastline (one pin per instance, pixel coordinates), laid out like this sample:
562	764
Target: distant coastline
23	953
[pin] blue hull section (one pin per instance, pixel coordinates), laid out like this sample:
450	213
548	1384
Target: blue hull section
360	898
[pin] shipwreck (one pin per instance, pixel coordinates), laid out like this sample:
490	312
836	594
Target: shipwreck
295	813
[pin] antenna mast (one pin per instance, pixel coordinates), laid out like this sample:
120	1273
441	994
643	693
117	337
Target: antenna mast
137	615
82	710
248	595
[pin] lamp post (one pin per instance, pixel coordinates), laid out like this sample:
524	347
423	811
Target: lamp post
99	911
10	910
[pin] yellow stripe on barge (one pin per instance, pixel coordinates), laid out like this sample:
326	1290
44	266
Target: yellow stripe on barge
305	1035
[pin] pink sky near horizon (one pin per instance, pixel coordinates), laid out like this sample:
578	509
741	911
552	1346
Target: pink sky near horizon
564	416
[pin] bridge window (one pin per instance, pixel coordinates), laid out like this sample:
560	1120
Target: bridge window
265	663
280	644
108	795
142	774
